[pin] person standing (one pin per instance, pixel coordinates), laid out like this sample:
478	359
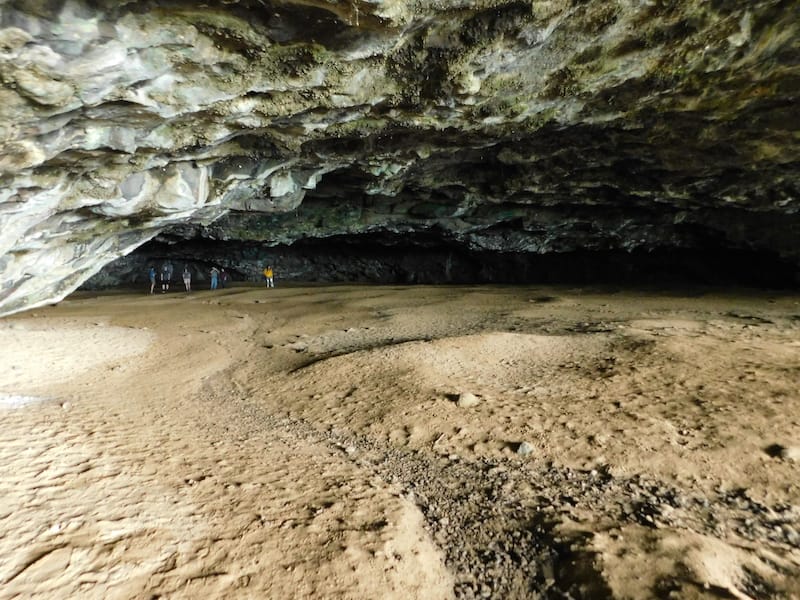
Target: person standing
166	276
268	276
223	279
187	278
214	277
152	274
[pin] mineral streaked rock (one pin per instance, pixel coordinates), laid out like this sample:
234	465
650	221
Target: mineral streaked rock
534	126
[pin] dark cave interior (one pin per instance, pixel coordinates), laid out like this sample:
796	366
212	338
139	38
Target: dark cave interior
425	259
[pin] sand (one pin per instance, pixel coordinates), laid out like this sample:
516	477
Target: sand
402	442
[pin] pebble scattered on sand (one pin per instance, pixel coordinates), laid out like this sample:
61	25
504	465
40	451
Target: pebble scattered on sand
467	400
791	453
524	449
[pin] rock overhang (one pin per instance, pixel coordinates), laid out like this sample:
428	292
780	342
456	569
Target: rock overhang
542	126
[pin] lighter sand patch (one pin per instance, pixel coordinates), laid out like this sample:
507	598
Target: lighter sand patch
35	354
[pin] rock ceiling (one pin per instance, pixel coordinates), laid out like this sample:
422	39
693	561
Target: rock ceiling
538	126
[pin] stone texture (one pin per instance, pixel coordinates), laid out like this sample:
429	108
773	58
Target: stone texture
528	127
525	448
791	453
467	400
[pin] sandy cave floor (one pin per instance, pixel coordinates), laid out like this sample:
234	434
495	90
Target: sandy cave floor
308	442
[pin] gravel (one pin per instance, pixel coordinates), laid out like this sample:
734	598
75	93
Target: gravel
496	521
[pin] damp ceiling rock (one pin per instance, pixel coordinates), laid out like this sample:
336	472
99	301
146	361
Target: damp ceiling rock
539	126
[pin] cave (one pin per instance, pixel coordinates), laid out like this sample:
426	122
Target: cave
625	136
426	258
535	324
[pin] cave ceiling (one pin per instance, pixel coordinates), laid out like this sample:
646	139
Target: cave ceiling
539	126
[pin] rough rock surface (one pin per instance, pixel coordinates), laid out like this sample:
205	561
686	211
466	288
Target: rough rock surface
533	127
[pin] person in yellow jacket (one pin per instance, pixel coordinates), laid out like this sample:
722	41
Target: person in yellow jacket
268	276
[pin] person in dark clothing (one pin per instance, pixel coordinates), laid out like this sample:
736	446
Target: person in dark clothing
166	276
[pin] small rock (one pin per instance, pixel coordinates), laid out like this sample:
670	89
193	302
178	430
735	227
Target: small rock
791	453
524	449
791	535
55	528
467	400
596	439
66	405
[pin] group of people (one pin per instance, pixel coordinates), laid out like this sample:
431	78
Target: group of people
165	277
219	277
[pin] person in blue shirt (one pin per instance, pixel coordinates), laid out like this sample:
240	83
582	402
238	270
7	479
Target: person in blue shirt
152	274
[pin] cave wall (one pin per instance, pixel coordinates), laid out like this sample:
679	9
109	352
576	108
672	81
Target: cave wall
539	127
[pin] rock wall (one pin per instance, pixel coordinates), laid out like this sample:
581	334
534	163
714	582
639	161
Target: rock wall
511	127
